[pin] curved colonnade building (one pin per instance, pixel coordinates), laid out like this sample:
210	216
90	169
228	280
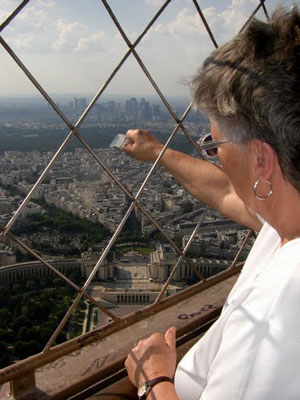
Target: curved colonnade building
115	289
11	273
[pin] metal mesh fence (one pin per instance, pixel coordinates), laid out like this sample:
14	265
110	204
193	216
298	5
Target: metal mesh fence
134	199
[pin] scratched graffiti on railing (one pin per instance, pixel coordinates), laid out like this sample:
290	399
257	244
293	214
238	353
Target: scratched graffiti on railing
202	310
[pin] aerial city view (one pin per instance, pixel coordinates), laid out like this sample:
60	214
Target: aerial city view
78	207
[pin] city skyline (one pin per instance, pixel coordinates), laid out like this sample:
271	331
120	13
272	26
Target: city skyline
74	50
107	109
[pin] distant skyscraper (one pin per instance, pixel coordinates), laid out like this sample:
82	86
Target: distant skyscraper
75	105
144	110
111	108
156	111
81	105
132	107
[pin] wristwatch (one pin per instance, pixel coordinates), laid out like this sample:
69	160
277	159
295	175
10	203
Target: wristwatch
144	389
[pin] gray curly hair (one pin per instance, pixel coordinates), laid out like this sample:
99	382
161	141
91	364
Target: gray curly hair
251	87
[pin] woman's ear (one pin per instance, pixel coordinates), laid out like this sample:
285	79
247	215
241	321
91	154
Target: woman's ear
264	158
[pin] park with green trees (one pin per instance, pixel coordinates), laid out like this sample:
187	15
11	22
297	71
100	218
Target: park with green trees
30	311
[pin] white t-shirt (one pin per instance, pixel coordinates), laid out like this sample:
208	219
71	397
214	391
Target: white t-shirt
252	352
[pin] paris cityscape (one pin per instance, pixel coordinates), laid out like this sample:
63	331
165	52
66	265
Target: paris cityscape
78	207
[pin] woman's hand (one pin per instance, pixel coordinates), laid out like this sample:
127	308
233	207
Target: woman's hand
142	145
152	357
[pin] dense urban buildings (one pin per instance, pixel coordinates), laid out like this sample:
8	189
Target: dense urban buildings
139	264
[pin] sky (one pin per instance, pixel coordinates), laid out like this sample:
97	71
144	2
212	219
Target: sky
72	46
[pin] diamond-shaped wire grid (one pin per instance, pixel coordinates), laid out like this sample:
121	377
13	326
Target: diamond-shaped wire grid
134	199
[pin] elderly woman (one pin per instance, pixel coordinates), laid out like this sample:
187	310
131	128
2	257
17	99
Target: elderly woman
250	88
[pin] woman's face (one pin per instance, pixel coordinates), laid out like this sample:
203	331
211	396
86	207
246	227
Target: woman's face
235	161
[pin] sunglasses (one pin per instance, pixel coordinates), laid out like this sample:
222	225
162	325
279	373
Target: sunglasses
209	147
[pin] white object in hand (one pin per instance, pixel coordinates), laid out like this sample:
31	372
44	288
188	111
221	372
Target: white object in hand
119	141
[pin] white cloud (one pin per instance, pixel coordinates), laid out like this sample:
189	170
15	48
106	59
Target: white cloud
68	35
185	23
52	35
6	8
155	3
223	23
30	17
37	28
237	2
183	42
47	3
92	42
23	41
233	17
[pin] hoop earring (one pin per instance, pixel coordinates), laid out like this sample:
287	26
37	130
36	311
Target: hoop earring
255	189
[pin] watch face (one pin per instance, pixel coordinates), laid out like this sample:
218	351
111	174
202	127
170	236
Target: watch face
142	390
